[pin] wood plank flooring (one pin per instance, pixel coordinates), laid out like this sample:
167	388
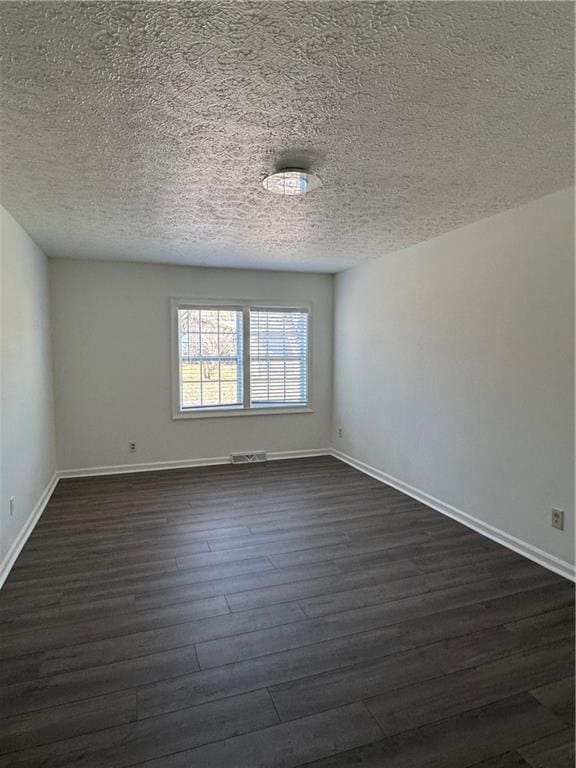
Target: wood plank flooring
273	616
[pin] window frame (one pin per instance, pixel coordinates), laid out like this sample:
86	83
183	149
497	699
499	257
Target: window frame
243	305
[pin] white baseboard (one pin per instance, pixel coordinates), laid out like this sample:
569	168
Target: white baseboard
152	466
552	563
155	466
305	454
18	544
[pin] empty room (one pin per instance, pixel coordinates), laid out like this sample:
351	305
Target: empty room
287	384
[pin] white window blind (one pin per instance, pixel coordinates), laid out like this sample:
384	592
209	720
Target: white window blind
278	357
210	358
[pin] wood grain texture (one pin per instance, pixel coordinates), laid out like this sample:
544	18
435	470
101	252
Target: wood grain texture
279	615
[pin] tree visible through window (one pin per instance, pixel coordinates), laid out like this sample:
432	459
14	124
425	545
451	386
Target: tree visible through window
210	343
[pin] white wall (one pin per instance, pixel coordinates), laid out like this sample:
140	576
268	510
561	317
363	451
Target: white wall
454	369
27	445
111	331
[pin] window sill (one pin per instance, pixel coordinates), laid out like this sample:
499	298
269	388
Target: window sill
223	413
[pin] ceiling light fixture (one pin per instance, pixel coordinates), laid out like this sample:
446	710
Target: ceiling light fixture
291	181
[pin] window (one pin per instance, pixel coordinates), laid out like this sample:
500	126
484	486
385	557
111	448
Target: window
210	344
239	358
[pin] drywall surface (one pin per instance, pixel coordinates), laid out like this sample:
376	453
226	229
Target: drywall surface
454	369
112	363
27	443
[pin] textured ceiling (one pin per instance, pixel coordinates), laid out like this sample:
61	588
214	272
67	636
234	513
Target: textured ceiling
141	131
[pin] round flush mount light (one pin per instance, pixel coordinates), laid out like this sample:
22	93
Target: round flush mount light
291	181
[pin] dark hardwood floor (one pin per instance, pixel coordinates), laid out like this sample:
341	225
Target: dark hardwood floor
273	616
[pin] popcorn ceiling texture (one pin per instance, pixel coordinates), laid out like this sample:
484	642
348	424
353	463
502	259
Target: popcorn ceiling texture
141	130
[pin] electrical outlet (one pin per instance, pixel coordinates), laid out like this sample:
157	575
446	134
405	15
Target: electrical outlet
12	504
557	520
132	447
339	431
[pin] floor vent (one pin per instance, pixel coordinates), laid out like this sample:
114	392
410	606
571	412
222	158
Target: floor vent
248	458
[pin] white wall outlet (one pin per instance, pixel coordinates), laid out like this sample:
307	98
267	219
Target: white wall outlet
12	505
339	431
132	447
557	520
